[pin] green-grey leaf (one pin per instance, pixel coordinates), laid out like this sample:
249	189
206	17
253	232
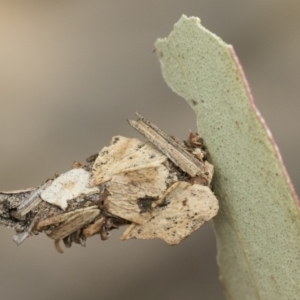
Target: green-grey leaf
258	225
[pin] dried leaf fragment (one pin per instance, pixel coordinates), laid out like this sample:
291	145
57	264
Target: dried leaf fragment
68	186
123	155
128	187
133	170
181	212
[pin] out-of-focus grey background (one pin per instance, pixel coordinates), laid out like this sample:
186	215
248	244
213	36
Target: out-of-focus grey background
71	73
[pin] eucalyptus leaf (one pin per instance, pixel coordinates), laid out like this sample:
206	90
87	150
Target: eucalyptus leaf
258	225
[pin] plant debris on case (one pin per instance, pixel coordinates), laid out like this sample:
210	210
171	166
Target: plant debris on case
160	188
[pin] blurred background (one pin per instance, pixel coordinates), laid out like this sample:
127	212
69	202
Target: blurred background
71	73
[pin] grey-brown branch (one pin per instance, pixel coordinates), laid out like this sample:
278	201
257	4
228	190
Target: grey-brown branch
160	188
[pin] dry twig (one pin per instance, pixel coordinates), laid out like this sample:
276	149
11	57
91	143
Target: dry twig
161	188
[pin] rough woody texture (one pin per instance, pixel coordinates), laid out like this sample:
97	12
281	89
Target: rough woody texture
128	182
258	226
146	190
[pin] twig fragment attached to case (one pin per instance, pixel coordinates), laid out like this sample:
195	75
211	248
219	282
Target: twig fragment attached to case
160	188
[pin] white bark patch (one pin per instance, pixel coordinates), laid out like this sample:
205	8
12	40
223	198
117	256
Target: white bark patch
68	186
183	210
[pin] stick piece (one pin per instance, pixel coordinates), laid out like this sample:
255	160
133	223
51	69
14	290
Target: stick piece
168	146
